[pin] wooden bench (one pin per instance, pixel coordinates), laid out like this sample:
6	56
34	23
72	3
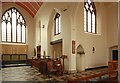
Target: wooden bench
113	65
102	76
42	65
13	59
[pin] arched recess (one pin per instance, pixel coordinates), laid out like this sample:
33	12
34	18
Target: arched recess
113	52
50	33
38	32
39	28
80	59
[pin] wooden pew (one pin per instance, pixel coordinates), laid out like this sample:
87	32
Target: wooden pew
41	65
13	59
99	77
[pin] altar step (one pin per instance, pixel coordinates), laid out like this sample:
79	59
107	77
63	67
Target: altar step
14	65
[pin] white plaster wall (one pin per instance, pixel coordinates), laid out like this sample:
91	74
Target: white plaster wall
66	30
112	24
88	41
30	34
72	29
50	31
44	14
37	32
43	18
53	37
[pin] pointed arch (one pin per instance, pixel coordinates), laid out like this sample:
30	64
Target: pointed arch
13	26
80	50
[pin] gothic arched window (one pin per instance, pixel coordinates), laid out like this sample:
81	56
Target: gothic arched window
13	26
89	16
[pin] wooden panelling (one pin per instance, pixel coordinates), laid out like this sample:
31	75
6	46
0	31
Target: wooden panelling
14	49
22	49
6	49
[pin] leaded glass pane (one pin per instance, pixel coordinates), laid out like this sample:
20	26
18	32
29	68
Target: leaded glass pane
9	32
23	34
3	31
59	25
18	33
89	21
6	15
84	19
93	23
87	6
20	18
13	27
89	1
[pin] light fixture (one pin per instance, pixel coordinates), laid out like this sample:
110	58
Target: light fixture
65	8
93	49
43	26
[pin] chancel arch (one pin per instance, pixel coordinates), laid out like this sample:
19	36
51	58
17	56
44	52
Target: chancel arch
53	49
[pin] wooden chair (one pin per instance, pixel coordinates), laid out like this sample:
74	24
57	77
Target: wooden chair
50	67
112	65
58	67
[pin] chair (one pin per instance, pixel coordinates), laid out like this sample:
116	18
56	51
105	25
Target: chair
50	67
58	67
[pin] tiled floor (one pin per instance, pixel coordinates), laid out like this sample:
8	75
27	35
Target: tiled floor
28	74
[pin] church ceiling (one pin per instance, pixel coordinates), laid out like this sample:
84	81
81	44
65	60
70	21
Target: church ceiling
31	6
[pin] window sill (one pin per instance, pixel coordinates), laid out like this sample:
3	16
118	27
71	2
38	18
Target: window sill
90	33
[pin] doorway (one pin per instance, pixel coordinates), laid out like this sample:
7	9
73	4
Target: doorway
113	53
57	50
